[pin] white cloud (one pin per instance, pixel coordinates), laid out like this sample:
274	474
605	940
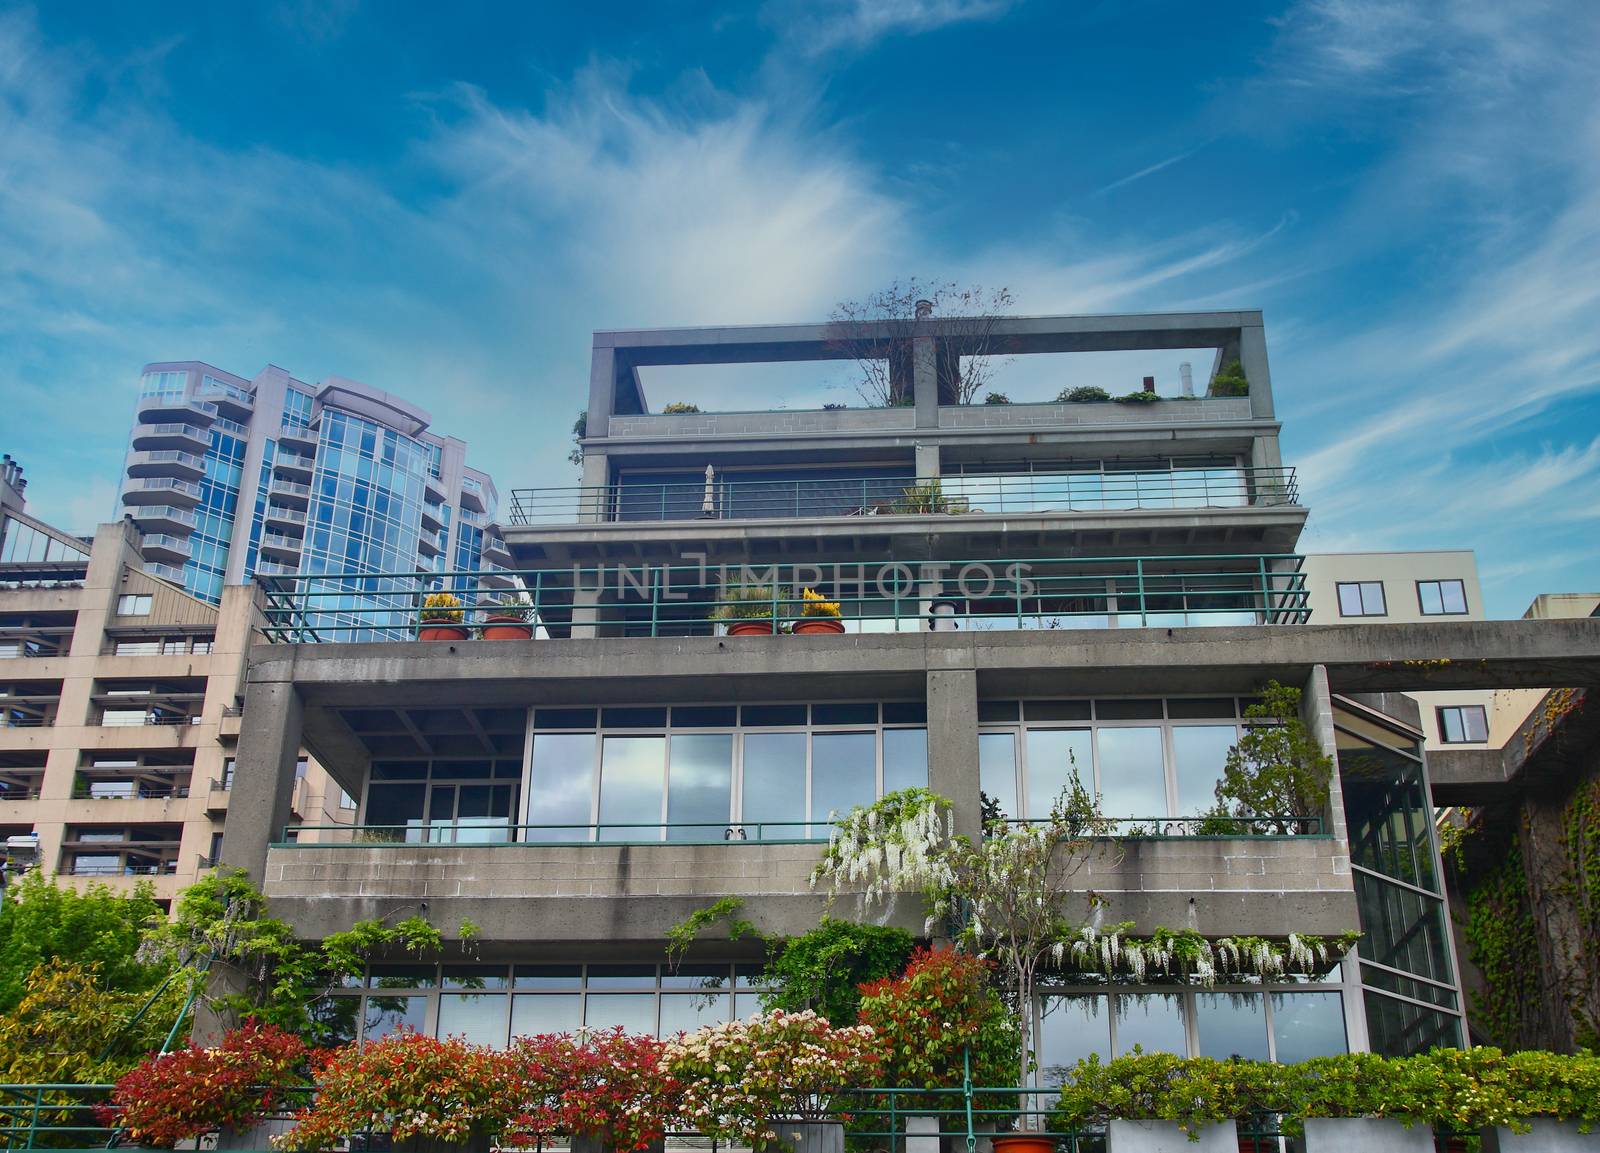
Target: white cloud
818	28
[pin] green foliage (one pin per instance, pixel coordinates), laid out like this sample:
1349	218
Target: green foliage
680	406
746	603
1277	769
925	497
1582	842
682	935
1501	938
1140	397
1229	381
996	398
1083	394
1184	955
69	1028
824	969
1193	1091
580	429
95	927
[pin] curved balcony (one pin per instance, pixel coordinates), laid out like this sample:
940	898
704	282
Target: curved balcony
167	462
165	547
288	521
161	517
154	490
430	543
432	515
472	495
229	399
163	407
167	572
171	434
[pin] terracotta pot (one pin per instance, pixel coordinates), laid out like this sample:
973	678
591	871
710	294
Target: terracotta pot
819	625
506	627
434	631
756	628
1024	1143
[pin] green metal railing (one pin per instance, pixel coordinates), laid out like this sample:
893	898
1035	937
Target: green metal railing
747	496
502	834
656	600
54	1116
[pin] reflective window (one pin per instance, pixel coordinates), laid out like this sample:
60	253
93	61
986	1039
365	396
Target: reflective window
844	773
700	787
1361	599
1306	1025
635	1012
632	773
1463	724
1133	778
1071	1028
1199	754
905	759
545	1013
560	787
388	1014
997	770
1055	756
1231	1025
774	784
1152	1021
478	1017
1441	598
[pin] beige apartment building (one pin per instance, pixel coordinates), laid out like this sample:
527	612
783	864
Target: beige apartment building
119	717
1409	588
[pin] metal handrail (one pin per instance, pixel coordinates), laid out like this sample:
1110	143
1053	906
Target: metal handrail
889	596
745	496
714	832
1155	828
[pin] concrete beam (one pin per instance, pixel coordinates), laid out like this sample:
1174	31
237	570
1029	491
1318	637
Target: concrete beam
953	745
263	781
1553	745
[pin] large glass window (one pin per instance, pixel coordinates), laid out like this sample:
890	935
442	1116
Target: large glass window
1361	599
1442	598
449	801
1133	779
1055	757
711	772
1306	1025
1231	1025
1463	724
1152	1021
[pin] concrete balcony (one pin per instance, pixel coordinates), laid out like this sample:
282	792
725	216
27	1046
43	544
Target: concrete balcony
167	462
170	407
165	547
289	492
171	435
161	518
160	490
298	439
281	547
285	520
294	464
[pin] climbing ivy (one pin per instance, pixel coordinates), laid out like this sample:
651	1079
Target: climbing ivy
1501	941
1582	837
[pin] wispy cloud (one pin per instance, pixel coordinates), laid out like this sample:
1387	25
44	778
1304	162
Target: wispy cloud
822	27
1143	172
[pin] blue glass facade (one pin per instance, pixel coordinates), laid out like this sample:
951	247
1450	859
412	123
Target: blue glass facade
365	516
219	504
268	455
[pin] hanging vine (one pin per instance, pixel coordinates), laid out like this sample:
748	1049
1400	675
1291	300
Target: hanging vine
1185	955
1502	942
1583	862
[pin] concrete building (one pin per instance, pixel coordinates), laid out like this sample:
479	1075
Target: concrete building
119	708
1399	587
1026	590
231	478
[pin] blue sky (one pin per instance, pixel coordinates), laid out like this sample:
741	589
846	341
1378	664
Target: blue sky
444	201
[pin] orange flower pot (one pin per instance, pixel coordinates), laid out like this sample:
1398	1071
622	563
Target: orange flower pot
819	625
1024	1143
506	628
438	632
755	628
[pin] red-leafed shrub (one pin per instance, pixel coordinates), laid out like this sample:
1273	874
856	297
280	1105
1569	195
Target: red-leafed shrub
408	1085
943	1004
607	1085
171	1098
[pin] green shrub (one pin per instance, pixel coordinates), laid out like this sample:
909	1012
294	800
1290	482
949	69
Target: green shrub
680	406
824	969
1192	1091
1140	397
1540	1084
1083	394
1229	381
996	398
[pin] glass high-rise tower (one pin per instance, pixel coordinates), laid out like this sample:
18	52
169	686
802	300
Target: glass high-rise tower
229	478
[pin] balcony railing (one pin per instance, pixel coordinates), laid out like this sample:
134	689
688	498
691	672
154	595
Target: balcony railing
888	596
745	496
492	833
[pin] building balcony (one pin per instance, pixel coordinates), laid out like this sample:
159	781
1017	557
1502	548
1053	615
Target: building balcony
170	407
152	490
167	572
281	547
167	462
165	547
472	496
171	435
296	439
292	464
883	596
432	515
230	399
430	543
161	517
285	520
275	569
289	492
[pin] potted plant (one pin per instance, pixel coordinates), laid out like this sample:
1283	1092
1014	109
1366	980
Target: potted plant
1006	897
818	614
428	1095
746	610
921	498
442	618
771	1081
182	1095
509	618
1366	1100
603	1089
1554	1097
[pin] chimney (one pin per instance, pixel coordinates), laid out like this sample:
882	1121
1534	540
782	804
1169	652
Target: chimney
924	309
1186	374
1149	384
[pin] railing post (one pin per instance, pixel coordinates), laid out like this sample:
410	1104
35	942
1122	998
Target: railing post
1261	564
1144	614
966	1094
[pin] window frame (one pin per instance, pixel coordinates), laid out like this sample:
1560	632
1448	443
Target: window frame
1464	610
1361	597
1463	710
129	604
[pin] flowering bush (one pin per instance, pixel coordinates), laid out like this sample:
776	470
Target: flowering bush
408	1085
939	1007
444	607
607	1084
739	1079
814	604
171	1098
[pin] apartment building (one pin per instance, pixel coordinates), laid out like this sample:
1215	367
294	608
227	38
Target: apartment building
1025	591
1410	587
119	709
231	478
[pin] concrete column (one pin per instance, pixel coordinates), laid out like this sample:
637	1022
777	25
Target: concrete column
925	381
263	781
592	505
953	744
602	390
1253	357
927	459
